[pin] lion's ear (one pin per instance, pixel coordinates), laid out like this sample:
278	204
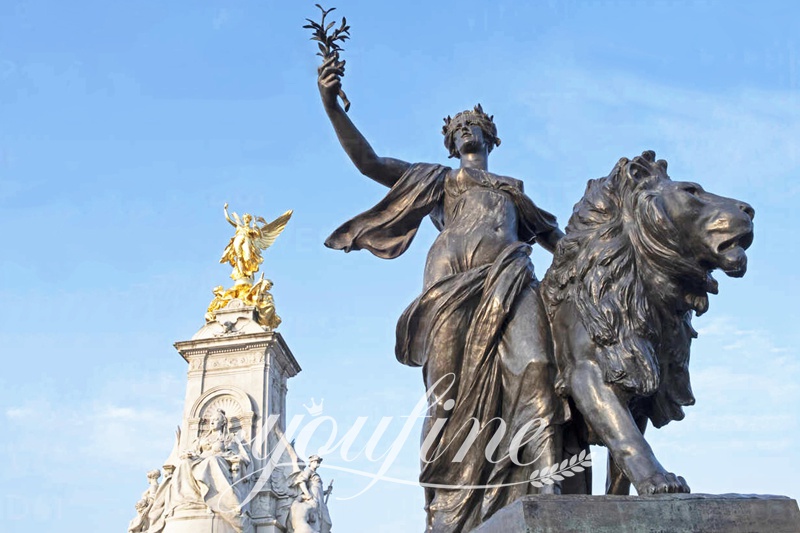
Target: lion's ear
649	155
663	164
635	170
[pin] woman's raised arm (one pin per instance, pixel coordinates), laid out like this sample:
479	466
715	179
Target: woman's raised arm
228	218
384	170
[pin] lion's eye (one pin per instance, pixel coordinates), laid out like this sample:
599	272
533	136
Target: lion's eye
691	188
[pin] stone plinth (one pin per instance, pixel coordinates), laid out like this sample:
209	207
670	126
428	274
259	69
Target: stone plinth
668	513
194	522
241	367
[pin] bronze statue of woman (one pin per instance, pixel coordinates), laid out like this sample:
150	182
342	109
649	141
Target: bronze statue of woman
478	330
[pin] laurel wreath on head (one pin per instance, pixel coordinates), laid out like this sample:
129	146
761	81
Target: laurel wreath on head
559	471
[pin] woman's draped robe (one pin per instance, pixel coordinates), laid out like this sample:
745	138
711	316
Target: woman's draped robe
204	481
496	372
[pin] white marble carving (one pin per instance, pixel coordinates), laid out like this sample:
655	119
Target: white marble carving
212	476
309	512
141	523
239	368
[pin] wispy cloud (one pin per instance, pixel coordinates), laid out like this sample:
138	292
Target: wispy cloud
746	135
221	18
7	68
747	360
19	412
108	431
745	420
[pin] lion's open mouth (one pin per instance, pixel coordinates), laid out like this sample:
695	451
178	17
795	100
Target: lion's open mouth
742	241
732	256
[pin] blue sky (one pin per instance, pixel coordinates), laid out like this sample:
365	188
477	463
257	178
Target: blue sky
124	127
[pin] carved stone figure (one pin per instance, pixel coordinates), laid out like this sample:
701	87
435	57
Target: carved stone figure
210	475
635	263
141	523
156	512
283	493
309	512
479	329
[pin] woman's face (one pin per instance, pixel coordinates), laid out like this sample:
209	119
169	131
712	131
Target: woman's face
218	422
468	138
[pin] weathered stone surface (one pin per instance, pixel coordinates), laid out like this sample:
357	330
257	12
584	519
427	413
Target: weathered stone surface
667	513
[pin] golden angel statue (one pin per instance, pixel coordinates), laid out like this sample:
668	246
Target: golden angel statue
244	250
243	253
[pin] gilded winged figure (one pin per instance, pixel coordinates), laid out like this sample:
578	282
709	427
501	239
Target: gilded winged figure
253	234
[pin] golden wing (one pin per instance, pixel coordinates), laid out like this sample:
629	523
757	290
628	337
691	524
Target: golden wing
269	232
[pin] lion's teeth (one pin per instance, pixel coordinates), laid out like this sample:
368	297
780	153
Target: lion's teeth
712	285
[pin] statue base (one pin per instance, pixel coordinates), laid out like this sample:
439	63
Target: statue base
196	522
706	513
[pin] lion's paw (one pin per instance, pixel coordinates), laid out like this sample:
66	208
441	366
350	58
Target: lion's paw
661	483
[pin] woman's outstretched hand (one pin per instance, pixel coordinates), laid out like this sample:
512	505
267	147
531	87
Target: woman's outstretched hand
329	81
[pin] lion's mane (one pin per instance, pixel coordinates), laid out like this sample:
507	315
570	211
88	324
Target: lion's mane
619	244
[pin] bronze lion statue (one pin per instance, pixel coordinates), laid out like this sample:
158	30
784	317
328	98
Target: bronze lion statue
634	265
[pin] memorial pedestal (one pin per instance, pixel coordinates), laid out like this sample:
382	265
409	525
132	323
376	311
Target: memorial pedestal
239	366
194	522
666	513
242	367
236	394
